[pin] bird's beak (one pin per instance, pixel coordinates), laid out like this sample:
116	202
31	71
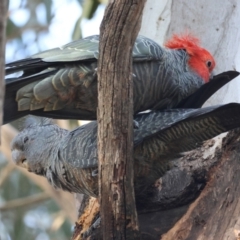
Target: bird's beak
20	159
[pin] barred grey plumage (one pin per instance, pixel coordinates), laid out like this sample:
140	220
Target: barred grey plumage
61	83
68	159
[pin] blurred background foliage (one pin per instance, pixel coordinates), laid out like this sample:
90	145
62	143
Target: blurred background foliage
29	207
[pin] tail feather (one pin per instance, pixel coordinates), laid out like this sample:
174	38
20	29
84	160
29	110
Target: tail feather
198	98
19	82
10	110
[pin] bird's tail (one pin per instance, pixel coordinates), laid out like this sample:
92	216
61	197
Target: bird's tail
12	85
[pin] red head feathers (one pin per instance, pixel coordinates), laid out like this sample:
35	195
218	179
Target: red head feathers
200	59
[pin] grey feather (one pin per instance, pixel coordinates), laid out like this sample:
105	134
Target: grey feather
69	158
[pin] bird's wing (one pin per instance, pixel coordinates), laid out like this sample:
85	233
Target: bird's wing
85	49
29	105
190	129
82	49
160	133
88	48
156	121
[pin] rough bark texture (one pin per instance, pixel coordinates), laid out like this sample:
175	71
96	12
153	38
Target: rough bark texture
3	21
88	214
215	214
171	212
118	32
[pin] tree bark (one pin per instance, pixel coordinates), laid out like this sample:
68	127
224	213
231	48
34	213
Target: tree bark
118	32
3	22
172	213
216	213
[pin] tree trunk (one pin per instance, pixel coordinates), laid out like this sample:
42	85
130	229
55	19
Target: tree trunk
118	32
3	21
216	212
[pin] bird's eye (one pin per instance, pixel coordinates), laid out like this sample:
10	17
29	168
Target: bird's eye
209	64
25	139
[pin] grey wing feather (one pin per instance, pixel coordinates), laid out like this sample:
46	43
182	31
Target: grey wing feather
83	49
155	121
144	49
193	128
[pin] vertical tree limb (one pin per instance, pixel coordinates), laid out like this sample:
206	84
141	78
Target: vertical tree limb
118	32
3	21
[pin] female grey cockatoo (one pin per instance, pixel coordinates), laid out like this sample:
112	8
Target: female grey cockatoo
68	159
